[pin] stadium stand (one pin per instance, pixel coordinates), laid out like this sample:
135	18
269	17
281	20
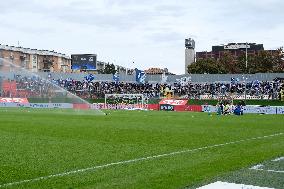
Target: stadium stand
22	86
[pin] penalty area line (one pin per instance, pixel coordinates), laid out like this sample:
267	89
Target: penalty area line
269	170
133	161
261	167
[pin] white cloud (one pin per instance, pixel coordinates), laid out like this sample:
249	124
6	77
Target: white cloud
149	32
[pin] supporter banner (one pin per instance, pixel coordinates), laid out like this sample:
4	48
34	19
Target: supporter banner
251	109
260	110
241	97
206	108
173	102
47	105
194	108
166	107
36	105
280	110
236	97
207	97
15	100
100	106
4	105
81	106
153	106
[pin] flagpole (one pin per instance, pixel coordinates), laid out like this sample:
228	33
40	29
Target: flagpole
246	57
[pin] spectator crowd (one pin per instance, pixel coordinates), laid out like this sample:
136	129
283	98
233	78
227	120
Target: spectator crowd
35	86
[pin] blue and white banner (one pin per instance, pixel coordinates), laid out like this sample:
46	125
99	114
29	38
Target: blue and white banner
255	83
115	78
164	78
184	81
140	76
37	105
251	109
234	81
90	77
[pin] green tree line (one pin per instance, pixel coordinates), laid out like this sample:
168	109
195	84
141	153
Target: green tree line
262	62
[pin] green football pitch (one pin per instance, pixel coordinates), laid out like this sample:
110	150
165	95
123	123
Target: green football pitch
135	149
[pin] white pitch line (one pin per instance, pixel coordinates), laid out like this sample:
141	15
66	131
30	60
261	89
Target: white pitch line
256	167
133	161
278	159
273	171
269	170
260	167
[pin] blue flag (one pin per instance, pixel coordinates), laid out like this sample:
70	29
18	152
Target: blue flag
90	77
115	78
140	76
256	83
234	81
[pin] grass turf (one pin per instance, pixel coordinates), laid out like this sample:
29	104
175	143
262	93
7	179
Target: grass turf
35	143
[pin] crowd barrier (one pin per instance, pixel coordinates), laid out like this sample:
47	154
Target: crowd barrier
254	109
101	106
193	108
36	105
236	97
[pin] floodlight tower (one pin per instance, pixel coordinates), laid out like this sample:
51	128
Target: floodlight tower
189	53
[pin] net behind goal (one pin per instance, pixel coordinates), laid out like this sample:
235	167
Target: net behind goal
125	101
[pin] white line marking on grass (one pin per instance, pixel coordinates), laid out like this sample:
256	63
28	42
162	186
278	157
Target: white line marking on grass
273	171
133	161
269	170
260	167
256	167
278	159
226	185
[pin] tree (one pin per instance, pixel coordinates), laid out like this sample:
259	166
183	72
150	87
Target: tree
264	62
108	69
241	64
193	68
228	63
202	66
278	60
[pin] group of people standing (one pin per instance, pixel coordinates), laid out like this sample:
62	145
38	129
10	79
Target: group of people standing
227	108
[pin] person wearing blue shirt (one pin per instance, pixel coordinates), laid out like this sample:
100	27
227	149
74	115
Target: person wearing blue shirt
238	110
